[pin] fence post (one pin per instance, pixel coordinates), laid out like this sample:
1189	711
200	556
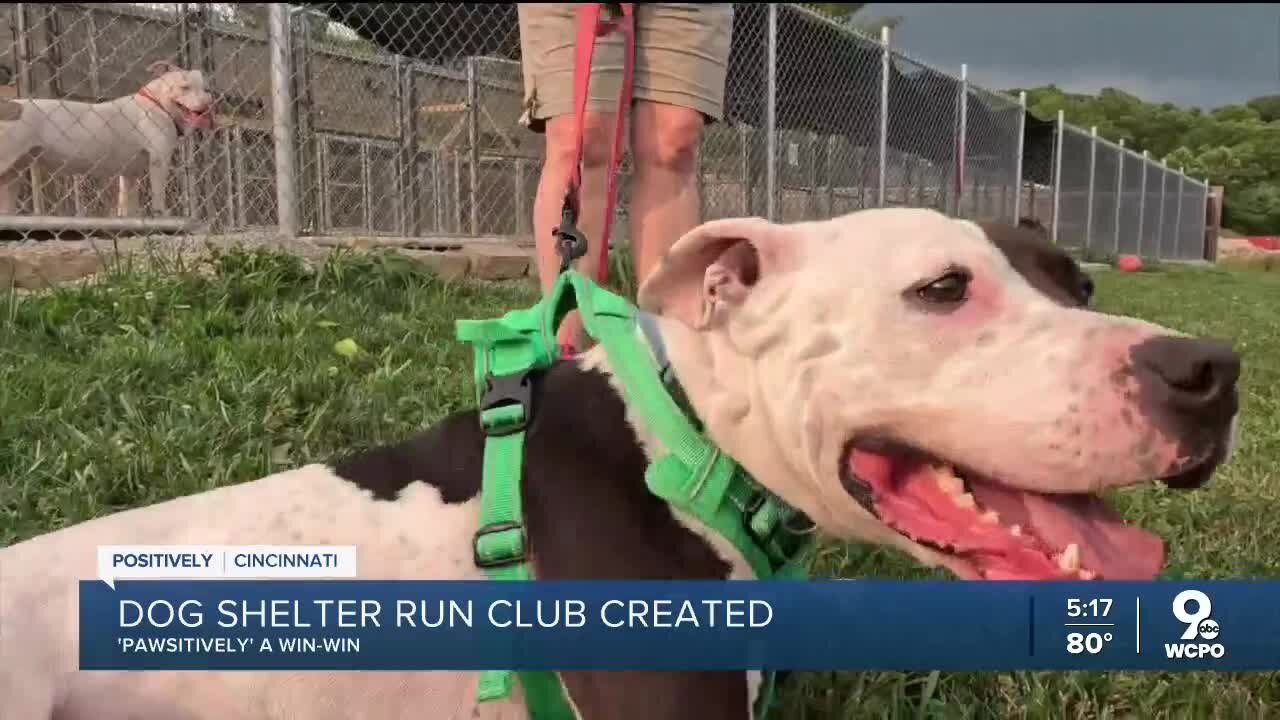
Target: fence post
885	64
406	91
1204	220
473	143
771	115
811	176
1142	202
93	56
962	133
308	146
1119	191
1057	174
828	186
522	205
22	52
1017	180
1177	223
1164	174
366	182
189	57
199	186
278	36
1088	212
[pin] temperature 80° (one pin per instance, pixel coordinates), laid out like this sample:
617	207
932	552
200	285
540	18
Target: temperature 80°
1090	642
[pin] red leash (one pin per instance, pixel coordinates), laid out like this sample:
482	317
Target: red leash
589	27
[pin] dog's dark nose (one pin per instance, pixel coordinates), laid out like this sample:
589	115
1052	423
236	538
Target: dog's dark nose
1190	376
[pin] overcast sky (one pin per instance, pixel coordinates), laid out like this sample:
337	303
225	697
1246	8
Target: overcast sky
1195	54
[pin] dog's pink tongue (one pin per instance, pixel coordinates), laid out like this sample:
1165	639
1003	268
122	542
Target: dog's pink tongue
202	120
1108	547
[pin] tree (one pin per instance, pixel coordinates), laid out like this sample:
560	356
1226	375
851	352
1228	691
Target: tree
844	13
837	10
254	17
1236	146
250	15
1267	107
1255	210
1236	113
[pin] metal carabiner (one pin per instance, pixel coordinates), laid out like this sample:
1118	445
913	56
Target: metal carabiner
571	244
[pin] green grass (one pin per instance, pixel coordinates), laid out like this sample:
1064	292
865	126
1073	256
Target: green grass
146	385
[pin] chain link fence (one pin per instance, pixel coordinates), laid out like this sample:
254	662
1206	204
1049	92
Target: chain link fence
403	122
1111	200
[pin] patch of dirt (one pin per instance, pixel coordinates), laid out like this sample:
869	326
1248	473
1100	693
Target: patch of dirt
1237	247
1236	251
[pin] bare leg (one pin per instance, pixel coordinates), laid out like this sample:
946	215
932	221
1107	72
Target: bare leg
664	189
557	168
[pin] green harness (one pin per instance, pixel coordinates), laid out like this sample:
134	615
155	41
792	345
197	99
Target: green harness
693	475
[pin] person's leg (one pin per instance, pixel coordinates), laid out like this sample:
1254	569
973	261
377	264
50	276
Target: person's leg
664	186
547	32
557	167
682	58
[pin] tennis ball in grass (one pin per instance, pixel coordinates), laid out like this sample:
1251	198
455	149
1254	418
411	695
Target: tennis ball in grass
346	347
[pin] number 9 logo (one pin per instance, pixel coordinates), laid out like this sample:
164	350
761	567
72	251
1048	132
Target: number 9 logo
1204	608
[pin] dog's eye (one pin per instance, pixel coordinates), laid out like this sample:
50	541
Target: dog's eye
949	289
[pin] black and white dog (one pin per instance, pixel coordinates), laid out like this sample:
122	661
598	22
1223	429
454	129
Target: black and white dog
902	377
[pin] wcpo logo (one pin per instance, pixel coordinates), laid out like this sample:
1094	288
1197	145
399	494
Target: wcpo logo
1201	627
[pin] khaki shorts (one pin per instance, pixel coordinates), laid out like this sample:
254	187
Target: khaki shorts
681	58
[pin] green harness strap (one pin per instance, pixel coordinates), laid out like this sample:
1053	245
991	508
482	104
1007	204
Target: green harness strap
507	351
692	474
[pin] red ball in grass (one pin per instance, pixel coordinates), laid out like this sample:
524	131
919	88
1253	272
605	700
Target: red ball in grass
1129	263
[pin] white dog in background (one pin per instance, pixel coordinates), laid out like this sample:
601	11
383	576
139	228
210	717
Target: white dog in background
129	137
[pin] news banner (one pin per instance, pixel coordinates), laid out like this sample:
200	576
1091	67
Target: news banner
301	608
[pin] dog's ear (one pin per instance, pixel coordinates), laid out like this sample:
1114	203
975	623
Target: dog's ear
161	67
718	262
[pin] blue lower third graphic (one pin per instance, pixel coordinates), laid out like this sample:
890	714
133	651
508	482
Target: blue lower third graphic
851	625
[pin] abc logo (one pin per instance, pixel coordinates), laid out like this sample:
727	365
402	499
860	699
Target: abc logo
1193	608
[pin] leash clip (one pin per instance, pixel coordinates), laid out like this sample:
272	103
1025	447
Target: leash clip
571	244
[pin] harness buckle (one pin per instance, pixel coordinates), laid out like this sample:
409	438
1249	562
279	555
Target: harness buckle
781	534
499	552
507	404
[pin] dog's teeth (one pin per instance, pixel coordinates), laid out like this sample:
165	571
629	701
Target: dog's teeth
1069	560
965	501
948	481
990	517
1088	575
1015	530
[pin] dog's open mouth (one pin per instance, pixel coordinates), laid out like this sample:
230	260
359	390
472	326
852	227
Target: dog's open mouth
992	531
202	119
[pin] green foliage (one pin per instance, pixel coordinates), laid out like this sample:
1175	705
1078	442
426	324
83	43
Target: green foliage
1267	106
845	13
1236	146
837	10
1257	207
